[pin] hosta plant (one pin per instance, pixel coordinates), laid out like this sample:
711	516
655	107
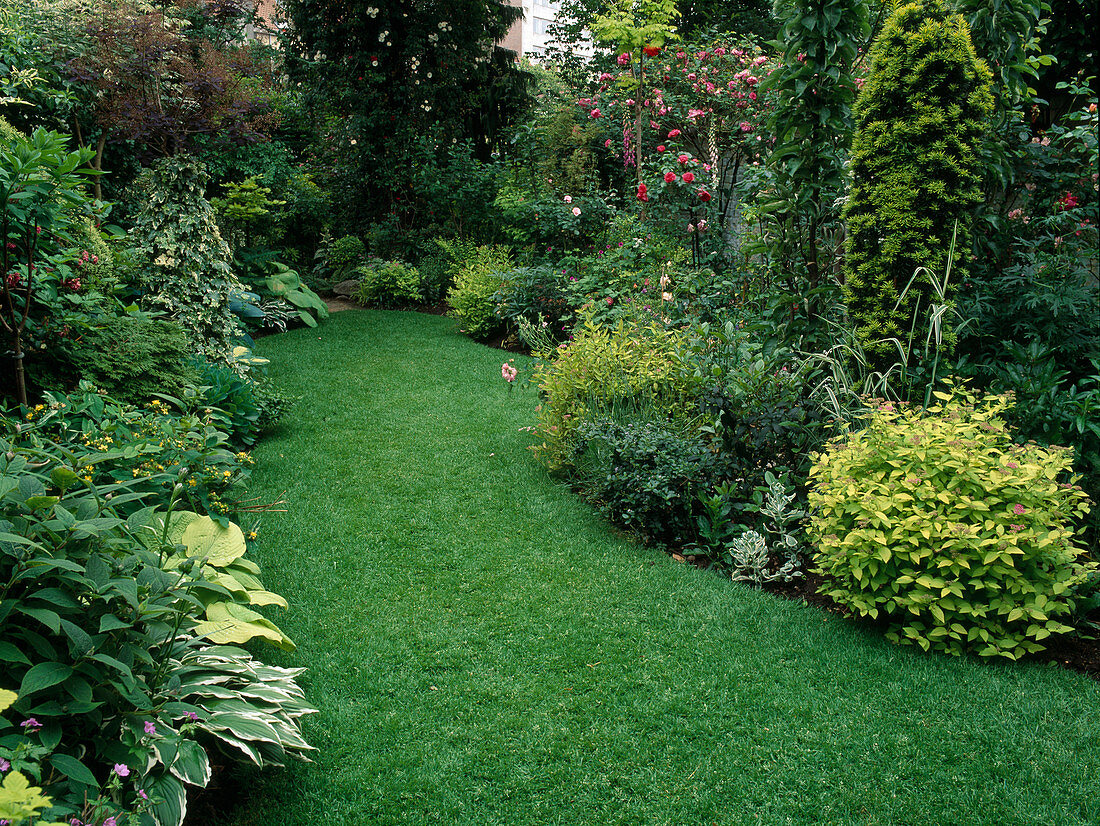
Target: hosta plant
937	523
226	582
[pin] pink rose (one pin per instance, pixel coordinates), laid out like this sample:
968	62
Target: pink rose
671	176
688	177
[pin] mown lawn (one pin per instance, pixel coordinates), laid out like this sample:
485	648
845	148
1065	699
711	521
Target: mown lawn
484	649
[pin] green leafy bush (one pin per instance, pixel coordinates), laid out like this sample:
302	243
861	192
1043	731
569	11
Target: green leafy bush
277	295
185	262
644	475
915	170
472	298
338	259
112	597
130	355
388	284
538	295
602	370
954	536
437	265
151	449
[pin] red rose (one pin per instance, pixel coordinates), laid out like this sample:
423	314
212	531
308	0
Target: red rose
675	133
652	51
688	177
643	194
671	176
704	195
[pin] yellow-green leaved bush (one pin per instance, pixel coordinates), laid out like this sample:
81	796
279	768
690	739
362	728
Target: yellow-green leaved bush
472	298
937	522
605	370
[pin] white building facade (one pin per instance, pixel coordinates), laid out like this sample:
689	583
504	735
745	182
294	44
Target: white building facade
529	37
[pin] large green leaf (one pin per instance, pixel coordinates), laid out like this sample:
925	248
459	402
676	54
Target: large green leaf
227	622
73	769
244	726
192	764
203	537
170	799
43	676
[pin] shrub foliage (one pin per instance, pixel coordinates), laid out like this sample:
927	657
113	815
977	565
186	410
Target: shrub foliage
959	539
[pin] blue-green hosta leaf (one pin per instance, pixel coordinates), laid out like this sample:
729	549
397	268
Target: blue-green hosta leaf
227	622
302	300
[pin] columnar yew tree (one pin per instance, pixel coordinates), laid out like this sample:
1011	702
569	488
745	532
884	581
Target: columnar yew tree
920	121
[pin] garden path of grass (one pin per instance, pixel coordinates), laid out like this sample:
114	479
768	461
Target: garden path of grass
483	649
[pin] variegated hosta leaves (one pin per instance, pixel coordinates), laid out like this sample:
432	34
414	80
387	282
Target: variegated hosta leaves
224	573
253	709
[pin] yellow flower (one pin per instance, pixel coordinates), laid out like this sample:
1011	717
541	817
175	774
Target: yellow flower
253	534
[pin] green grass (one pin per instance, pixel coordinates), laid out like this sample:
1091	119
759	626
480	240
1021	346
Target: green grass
485	650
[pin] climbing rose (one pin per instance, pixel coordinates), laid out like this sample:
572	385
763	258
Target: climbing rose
576	210
643	194
670	177
684	158
675	133
688	177
704	195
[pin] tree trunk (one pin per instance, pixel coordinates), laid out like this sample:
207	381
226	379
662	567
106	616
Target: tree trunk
97	165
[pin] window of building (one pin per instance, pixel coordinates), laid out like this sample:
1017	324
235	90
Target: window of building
539	24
